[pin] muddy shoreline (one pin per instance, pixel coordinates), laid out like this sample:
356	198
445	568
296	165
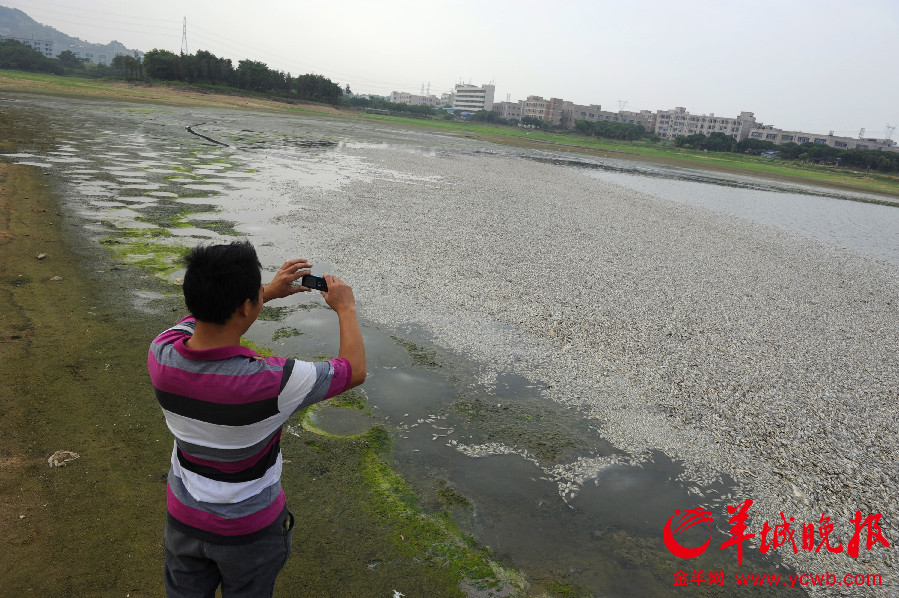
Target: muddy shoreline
73	354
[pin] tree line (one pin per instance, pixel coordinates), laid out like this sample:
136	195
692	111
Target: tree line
19	56
380	104
610	129
204	68
818	153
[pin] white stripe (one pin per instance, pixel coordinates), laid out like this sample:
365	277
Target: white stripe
219	436
299	385
205	490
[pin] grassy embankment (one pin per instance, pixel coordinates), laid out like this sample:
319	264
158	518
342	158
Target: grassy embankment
809	174
72	362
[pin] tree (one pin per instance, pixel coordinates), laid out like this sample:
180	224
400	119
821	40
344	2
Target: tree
754	146
162	64
22	57
317	88
70	60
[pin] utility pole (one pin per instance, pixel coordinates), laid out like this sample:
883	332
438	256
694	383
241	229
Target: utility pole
184	38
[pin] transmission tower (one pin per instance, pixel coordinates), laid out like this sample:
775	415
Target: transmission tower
861	133
888	132
184	38
622	104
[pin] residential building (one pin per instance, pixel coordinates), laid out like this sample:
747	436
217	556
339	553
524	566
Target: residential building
471	98
779	136
554	110
508	110
44	46
674	123
399	97
535	107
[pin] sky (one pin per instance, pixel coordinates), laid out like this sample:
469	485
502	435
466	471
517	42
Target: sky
809	65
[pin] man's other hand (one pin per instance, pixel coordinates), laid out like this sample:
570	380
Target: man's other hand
282	284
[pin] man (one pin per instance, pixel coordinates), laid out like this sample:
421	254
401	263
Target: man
228	522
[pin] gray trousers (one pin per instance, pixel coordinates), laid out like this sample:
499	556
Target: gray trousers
194	568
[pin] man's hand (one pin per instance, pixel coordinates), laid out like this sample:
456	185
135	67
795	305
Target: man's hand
340	298
340	295
282	284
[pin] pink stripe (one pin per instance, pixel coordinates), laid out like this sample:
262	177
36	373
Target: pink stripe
216	388
213	354
341	379
233	466
220	525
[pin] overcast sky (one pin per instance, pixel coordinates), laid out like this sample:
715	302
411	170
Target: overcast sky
812	65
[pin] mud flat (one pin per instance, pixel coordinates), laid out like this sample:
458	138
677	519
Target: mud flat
614	345
74	331
743	350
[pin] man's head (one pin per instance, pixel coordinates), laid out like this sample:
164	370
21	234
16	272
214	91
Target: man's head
219	279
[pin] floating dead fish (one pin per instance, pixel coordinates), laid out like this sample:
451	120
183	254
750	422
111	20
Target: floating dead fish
62	458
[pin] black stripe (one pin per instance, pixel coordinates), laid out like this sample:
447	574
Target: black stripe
285	373
251	473
218	413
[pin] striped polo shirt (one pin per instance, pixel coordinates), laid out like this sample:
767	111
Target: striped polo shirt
226	407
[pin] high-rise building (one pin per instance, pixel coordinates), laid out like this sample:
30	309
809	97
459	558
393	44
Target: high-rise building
472	98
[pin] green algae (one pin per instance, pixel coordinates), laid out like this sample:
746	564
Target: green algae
351	399
138	248
420	356
286	333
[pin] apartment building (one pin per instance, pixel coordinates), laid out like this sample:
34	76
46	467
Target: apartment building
508	110
400	97
535	107
779	136
554	110
471	98
674	123
44	46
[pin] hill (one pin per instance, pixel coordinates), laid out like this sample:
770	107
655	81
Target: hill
16	24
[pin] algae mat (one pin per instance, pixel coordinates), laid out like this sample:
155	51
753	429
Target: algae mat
72	361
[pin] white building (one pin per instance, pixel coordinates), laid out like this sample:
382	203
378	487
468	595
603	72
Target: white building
677	122
44	46
508	110
401	97
472	98
779	136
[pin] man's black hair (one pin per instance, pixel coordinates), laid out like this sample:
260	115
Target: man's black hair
219	279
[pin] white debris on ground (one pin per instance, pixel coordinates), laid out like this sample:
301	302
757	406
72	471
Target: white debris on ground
740	349
62	458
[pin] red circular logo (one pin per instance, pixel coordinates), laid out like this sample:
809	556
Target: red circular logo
686	520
